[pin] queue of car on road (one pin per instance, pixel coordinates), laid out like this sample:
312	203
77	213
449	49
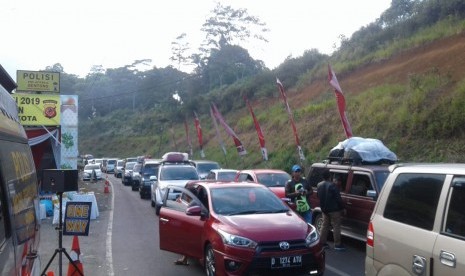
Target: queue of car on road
238	220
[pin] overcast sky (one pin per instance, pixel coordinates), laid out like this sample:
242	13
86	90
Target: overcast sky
114	33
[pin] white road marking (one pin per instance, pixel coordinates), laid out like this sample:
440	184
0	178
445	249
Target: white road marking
109	255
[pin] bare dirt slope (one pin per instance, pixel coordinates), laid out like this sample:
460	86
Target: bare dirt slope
446	56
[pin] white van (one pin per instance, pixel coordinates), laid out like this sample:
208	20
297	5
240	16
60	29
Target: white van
418	224
19	202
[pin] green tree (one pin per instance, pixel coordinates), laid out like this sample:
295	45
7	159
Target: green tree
232	26
179	47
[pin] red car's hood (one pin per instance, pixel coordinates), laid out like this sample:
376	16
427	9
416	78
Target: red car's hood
279	191
265	227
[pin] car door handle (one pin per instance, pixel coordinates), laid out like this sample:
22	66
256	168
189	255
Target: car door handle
418	265
447	258
163	220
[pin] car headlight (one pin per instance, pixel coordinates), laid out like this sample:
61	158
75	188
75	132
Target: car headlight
235	240
312	236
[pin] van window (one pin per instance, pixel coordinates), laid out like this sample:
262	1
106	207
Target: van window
314	177
455	222
414	199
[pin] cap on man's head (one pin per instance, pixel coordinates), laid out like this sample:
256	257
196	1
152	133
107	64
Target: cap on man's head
296	168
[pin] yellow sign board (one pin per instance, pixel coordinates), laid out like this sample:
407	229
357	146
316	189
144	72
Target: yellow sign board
38	109
37	81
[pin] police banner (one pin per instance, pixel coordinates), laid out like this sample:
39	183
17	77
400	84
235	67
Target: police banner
38	109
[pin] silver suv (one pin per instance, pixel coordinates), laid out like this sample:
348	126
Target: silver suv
418	224
171	172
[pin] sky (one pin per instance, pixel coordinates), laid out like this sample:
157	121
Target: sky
115	33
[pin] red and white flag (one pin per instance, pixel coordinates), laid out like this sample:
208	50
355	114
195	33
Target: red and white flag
261	138
291	119
240	148
199	134
341	102
218	136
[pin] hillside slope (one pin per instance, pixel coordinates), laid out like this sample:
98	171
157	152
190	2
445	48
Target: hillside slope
316	115
446	56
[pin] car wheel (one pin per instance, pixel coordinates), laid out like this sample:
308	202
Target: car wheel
210	261
152	201
157	210
318	222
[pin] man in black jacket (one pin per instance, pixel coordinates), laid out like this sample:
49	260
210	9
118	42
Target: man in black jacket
332	207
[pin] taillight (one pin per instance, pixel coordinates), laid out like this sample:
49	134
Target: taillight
370	235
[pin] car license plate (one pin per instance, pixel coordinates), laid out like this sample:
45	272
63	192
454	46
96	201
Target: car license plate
287	261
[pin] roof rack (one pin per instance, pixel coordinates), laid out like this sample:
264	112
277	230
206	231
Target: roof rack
355	162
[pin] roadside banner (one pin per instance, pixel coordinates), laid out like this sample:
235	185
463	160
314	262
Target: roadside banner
341	102
240	148
199	133
291	119
218	136
38	109
69	131
261	138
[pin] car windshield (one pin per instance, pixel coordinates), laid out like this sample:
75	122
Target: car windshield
151	169
120	163
206	167
245	200
273	179
92	167
130	165
111	162
178	173
228	176
137	167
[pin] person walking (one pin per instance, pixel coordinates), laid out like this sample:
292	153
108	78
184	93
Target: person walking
332	206
299	191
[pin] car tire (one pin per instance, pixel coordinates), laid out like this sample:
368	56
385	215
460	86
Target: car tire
157	210
152	201
318	222
210	268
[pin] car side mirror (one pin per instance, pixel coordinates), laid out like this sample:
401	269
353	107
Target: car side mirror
194	211
153	178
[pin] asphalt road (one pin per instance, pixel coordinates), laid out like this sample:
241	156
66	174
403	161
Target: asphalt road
124	240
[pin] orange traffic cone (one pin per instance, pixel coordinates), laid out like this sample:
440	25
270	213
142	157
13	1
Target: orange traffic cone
75	252
106	189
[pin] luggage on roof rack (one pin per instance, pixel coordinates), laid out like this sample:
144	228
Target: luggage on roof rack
358	150
175	157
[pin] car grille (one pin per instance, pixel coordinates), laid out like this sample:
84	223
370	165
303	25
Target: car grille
274	246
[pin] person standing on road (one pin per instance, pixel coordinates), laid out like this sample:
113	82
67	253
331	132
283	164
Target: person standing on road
332	207
298	190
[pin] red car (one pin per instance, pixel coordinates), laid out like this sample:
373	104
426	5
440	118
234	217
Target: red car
238	228
273	179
